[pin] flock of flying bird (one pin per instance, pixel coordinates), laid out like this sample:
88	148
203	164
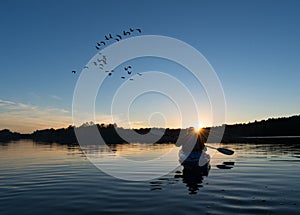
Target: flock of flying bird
102	62
128	71
118	37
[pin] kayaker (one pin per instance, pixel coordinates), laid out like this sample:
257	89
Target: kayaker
193	145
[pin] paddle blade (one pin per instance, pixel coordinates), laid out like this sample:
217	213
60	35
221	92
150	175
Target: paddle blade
225	151
222	166
228	163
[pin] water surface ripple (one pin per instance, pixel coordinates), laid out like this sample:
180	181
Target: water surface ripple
38	178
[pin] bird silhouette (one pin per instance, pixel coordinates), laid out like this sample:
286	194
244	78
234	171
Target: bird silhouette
108	37
129	72
106	71
85	67
128	67
123	77
102	42
131	79
95	63
109	74
117	39
97	47
101	60
125	33
119	36
131	29
74	71
139	30
139	74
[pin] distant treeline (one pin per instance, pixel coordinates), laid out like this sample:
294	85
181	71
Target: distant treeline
265	130
246	132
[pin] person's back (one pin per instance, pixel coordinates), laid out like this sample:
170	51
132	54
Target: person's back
192	150
194	143
199	145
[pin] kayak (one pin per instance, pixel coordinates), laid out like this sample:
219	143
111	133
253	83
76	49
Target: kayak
195	161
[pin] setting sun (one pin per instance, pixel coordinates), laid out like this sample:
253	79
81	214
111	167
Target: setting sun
198	127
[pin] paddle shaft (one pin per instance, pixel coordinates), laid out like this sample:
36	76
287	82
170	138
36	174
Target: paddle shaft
222	150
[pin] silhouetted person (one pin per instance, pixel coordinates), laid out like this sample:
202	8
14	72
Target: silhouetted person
195	162
192	149
193	157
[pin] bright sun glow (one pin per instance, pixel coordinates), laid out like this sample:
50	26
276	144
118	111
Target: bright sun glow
198	127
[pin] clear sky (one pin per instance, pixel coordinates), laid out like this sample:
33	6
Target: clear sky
253	46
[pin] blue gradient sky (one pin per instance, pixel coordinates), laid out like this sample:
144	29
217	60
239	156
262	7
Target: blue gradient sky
253	46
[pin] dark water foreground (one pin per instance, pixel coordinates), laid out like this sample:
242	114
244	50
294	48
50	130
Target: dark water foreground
58	179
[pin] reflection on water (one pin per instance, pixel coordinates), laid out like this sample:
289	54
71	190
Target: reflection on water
134	162
40	178
131	151
192	176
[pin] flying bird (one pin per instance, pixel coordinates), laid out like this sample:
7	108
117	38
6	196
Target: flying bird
131	79
95	63
101	43
131	29
139	30
139	74
119	36
85	67
123	77
74	71
102	60
128	67
125	33
108	37
97	47
117	39
129	72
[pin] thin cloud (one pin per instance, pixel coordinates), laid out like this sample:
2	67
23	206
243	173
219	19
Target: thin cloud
22	117
5	102
56	97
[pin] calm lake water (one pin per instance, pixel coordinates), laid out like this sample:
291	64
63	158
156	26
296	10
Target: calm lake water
38	178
